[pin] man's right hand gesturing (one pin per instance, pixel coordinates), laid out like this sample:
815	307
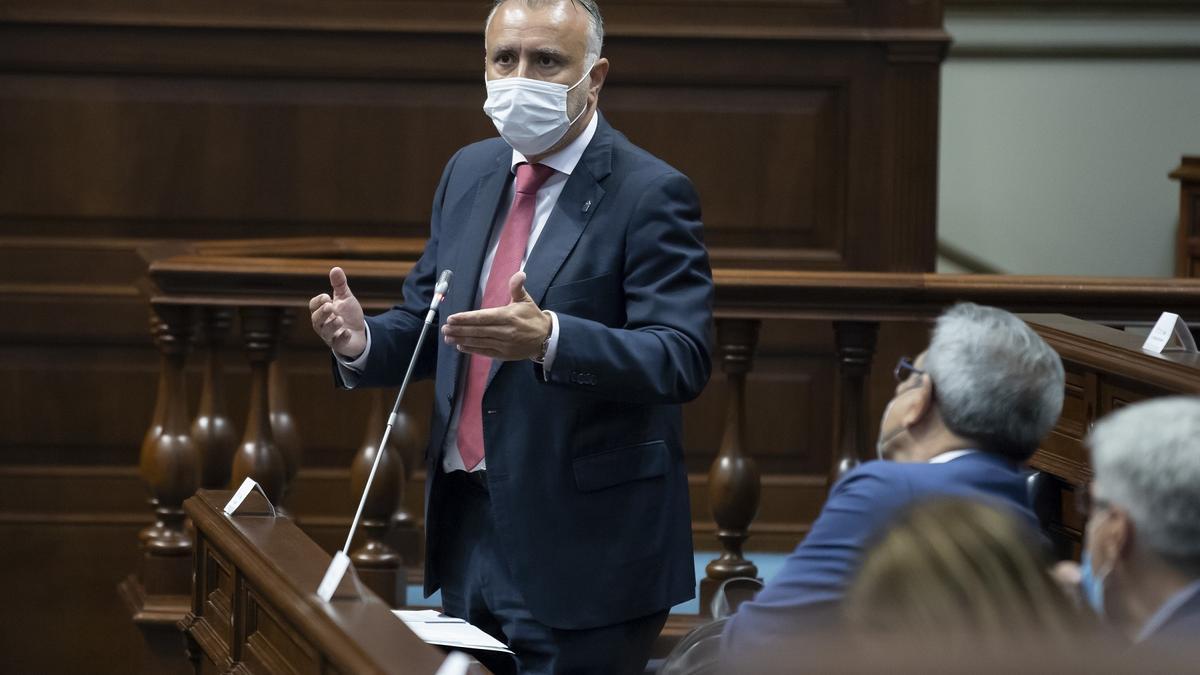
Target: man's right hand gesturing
339	319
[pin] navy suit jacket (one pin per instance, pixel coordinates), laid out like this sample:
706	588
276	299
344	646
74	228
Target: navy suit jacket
584	466
803	594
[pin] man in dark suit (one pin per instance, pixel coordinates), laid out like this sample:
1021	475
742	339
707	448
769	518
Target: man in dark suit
1141	565
577	322
965	415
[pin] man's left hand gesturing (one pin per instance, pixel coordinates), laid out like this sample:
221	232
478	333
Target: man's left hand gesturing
510	333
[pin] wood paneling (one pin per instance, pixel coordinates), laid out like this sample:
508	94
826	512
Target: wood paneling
1106	369
808	127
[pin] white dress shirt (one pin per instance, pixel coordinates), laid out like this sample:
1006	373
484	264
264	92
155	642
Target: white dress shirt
563	162
950	456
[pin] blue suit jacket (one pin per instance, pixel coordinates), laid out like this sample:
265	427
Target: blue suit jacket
817	573
588	487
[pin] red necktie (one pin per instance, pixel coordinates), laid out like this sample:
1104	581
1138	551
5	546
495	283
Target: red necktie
514	238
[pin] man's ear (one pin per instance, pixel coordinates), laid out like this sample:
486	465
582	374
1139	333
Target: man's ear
920	402
598	75
1119	535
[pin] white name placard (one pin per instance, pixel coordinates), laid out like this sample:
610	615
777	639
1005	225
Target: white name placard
243	491
333	575
1169	326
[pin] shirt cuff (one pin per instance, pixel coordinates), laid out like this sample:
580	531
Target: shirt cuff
351	369
551	347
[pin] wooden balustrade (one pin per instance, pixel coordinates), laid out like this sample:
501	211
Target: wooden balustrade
733	481
379	565
212	430
259	457
157	594
854	304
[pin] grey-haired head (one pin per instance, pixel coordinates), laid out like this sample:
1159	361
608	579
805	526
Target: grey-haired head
996	382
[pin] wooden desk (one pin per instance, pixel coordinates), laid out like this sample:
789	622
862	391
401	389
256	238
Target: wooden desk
255	609
1106	369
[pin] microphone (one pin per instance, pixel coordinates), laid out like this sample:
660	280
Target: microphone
439	294
341	560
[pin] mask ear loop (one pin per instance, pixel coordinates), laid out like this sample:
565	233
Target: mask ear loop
587	73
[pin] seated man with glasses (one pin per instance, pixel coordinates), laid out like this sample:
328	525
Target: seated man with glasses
1141	570
967	413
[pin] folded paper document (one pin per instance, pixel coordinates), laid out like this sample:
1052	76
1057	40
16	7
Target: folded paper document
438	629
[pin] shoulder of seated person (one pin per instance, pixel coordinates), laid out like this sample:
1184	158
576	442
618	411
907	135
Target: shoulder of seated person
889	470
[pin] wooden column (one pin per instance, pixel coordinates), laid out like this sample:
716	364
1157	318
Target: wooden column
212	430
733	481
258	456
1187	239
157	596
379	565
855	342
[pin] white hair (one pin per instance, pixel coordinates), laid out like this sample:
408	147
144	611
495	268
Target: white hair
1146	459
595	40
996	382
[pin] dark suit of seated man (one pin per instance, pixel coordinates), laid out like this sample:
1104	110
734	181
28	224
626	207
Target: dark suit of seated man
1141	570
966	414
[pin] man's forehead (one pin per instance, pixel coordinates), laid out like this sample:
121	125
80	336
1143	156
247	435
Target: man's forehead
546	24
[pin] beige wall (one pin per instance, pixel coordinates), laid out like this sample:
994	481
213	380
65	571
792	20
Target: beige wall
1057	135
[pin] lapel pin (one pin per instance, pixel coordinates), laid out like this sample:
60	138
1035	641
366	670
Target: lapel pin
587	205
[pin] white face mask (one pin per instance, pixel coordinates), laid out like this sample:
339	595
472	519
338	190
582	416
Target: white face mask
531	115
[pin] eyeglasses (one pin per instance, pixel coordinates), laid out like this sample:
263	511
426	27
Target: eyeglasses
904	369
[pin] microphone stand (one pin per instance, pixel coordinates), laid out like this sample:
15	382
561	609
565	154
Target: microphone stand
341	559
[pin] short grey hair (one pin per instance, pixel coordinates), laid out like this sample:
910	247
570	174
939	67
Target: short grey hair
1146	459
996	382
596	22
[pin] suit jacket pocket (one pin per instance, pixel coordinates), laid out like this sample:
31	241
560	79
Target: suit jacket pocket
621	465
571	291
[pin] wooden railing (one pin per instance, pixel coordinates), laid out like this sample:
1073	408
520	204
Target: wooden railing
217	281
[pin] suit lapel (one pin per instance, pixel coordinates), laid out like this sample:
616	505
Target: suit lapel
570	215
472	245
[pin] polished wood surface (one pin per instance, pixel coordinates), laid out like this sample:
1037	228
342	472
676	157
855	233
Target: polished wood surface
254	607
819	118
1187	239
1106	369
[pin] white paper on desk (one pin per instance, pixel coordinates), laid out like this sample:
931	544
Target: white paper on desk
449	632
425	616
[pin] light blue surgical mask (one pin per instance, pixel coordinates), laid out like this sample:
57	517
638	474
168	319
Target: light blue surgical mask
1092	584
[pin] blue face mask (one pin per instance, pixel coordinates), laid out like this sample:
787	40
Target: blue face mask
1093	586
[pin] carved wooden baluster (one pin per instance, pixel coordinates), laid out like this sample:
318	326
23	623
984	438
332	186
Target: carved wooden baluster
283	426
157	594
855	342
410	449
378	564
157	331
258	456
168	459
212	430
733	481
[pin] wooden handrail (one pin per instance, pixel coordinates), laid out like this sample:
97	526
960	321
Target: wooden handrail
238	274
